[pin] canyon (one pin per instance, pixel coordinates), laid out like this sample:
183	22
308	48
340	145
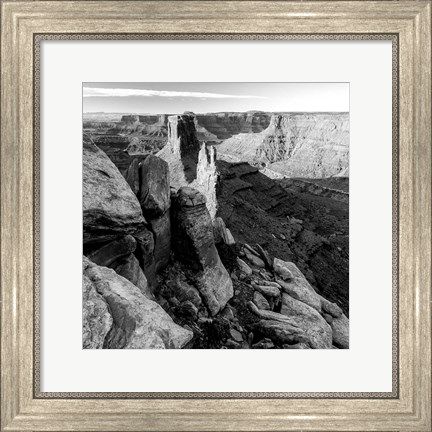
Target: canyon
185	249
281	145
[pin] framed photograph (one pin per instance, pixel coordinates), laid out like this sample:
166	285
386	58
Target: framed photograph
216	215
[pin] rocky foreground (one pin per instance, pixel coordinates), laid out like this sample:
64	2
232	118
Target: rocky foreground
162	270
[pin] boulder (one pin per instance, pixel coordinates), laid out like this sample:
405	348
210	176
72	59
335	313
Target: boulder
244	268
110	208
264	344
194	246
154	192
133	177
228	313
340	328
280	332
265	256
129	268
221	233
232	344
137	321
254	259
97	320
112	251
236	335
270	283
230	240
215	287
260	301
309	320
331	308
270	315
282	268
265	275
267	290
299	288
300	345
247	248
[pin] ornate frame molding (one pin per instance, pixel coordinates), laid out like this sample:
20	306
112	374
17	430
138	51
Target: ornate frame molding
25	24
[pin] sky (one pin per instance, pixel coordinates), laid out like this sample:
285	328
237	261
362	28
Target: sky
176	98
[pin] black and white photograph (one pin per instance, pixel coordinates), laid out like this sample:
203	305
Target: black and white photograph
215	215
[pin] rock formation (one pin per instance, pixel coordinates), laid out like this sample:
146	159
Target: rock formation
303	315
297	286
129	268
161	229
154	197
191	163
97	319
112	251
222	233
338	192
130	118
226	124
154	191
163	271
315	327
144	252
195	247
295	145
211	127
110	208
137	322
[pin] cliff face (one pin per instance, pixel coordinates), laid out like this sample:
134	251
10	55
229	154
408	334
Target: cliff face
212	126
295	145
109	206
226	124
190	162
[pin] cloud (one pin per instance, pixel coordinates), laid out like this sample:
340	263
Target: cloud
121	92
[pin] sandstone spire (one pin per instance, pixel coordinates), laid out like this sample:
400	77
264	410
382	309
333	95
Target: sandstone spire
191	163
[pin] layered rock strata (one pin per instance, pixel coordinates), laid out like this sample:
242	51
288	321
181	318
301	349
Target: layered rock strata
191	163
110	208
313	233
295	145
194	246
226	124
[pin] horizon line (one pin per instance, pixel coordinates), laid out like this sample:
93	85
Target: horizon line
211	112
